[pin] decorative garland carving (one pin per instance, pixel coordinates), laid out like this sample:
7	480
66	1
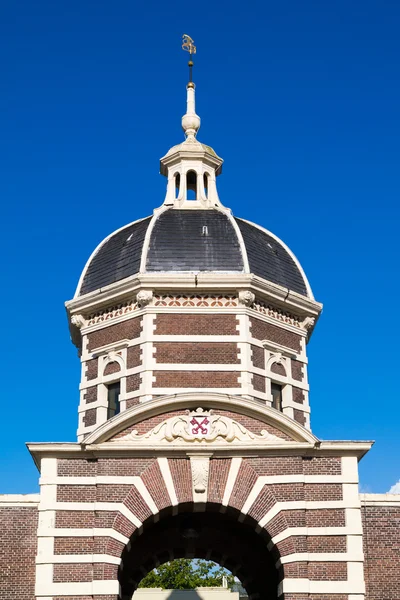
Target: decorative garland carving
199	426
112	312
195	300
280	315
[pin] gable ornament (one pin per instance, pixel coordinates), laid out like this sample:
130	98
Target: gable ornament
199	426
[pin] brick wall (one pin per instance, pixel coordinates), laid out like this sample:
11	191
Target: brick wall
197	352
196	379
129	330
258	356
18	548
382	551
278	369
260	330
183	324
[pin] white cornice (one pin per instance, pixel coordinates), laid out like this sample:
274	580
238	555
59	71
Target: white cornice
196	282
120	450
380	500
19	500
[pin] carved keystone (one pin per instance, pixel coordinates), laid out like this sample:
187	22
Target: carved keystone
200	467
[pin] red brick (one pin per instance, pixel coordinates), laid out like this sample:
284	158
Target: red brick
197	352
129	330
200	324
196	379
218	477
18	547
182	478
112	367
261	330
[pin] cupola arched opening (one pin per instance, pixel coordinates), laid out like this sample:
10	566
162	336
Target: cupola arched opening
205	183
191	185
177	178
212	535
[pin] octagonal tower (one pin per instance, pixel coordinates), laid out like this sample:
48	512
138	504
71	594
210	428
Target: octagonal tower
192	299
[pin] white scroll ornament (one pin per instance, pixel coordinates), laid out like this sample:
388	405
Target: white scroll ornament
199	426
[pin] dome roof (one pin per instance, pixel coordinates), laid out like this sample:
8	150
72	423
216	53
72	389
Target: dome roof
198	241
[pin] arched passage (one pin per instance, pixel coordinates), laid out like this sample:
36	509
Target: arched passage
209	534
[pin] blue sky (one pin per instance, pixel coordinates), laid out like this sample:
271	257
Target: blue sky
301	99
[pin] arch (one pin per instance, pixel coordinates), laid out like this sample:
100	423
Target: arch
234	529
193	400
191	185
277	360
211	535
113	358
177	178
206	176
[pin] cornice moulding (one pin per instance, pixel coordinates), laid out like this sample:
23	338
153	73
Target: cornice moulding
120	291
380	500
93	451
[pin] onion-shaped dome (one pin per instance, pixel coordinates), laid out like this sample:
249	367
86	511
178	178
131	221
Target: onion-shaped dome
193	241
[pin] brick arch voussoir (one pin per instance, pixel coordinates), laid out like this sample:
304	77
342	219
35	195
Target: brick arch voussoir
155	485
246	479
123	525
114	547
134	501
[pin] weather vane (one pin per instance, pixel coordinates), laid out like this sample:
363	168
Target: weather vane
188	46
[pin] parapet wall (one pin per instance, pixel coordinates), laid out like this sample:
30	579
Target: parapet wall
18	545
381	524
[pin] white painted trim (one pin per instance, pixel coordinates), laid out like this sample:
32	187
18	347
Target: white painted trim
380	500
288	250
96	587
111	294
19	500
169	482
305	586
95	251
243	249
145	248
143	491
82	532
78	559
300	505
311	531
294	478
320	557
232	475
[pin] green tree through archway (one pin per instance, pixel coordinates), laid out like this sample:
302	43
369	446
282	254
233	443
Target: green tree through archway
187	574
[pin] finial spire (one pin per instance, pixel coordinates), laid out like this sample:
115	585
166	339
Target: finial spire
190	121
188	45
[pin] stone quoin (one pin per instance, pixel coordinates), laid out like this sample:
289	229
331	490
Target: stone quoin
194	436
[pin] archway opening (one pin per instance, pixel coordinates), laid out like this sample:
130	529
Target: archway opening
205	184
191	185
177	184
211	535
190	574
